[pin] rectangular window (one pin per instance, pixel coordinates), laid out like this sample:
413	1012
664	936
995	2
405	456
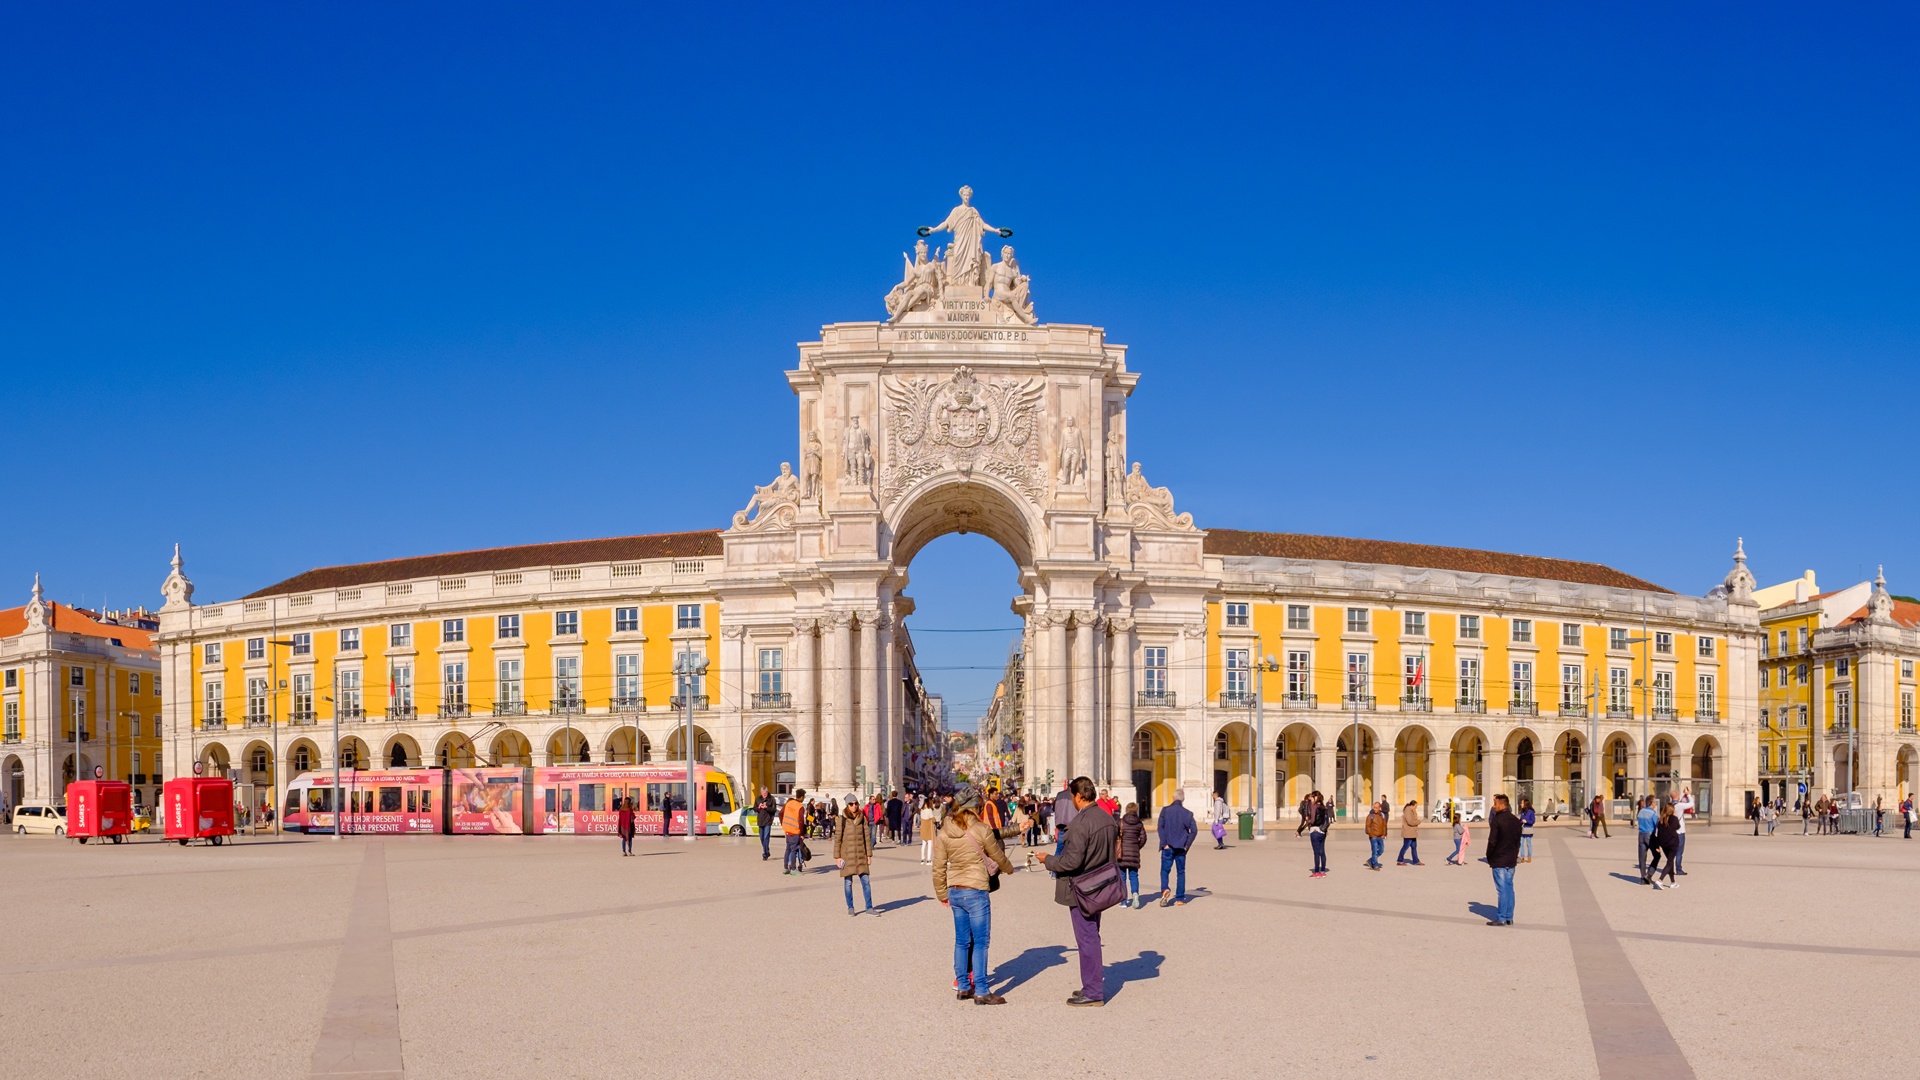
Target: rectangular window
210	654
1800	674
400	683
1705	646
1470	679
1706	701
772	673
350	639
1663	691
1237	615
1839	668
135	719
1783	643
1357	684
1523	680
1299	617
1801	719
1803	639
156	686
1766	673
1469	626
1570	635
453	690
566	679
1357	622
1765	756
1572	684
1906	669
1662	642
302	644
347	685
1906	711
687	617
566	624
256	699
452	630
400	636
12	731
510	693
1238	669
133	682
1523	631
214	693
1842	708
1416	676
507	626
256	648
1156	670
303	697
1299	675
13	678
1619	693
77	676
626	620
1415	623
79	719
1803	755
1617	639
626	679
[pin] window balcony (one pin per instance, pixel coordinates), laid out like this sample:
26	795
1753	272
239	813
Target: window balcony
1573	710
10	737
1840	727
1474	705
1236	699
699	702
1156	699
1523	708
258	720
400	712
137	779
1619	712
454	710
350	712
1294	699
1362	701
1905	725
509	708
568	705
1415	703
1667	713
207	723
630	703
769	701
1706	716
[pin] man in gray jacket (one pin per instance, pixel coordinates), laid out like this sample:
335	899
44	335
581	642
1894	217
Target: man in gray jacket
1089	843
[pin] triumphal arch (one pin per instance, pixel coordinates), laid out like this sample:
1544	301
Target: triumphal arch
960	412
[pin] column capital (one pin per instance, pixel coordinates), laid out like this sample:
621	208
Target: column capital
805	627
1195	629
869	618
1120	622
837	620
733	633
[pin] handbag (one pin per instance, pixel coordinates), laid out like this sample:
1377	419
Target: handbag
993	868
1098	889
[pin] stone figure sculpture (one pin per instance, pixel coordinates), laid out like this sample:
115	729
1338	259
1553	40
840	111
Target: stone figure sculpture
782	494
1073	455
37	607
965	261
856	452
918	289
1011	300
1152	507
810	470
1116	466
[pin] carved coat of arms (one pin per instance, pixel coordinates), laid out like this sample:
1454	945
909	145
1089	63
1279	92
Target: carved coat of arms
964	423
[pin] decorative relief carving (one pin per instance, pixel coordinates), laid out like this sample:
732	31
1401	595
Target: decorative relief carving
963	423
856	455
810	468
777	503
1120	623
733	633
1072	457
37	607
1195	630
805	627
1152	507
177	589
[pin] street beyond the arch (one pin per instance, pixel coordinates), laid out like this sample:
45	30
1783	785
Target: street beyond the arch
544	956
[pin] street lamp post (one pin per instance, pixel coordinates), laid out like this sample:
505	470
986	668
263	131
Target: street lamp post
1262	664
689	668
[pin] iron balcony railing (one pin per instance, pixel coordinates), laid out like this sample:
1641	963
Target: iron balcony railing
351	712
1364	701
1294	699
206	723
1523	708
137	779
1470	705
1623	712
9	738
769	700
1154	698
455	709
629	703
1573	709
568	706
401	712
1236	699
303	717
679	702
1706	716
1415	703
1667	713
258	720
509	708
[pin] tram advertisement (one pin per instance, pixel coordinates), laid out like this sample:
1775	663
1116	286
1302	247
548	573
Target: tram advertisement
485	801
588	800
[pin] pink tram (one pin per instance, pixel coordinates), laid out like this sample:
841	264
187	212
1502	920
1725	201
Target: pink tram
510	801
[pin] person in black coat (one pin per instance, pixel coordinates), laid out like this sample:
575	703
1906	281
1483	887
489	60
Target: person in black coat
1666	838
1503	853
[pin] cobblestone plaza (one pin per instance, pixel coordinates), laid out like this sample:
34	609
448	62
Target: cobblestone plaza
551	956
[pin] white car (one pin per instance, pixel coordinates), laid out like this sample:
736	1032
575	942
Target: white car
1471	809
40	817
744	822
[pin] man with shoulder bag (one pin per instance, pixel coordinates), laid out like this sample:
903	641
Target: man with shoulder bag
1087	882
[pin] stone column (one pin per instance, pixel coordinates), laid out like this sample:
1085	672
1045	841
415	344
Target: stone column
867	739
1059	676
886	729
898	721
806	707
836	714
1085	690
1120	702
1382	771
1325	773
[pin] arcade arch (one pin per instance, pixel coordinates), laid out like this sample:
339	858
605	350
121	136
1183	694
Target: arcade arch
770	761
1154	755
702	742
568	746
509	747
402	752
455	750
620	744
1233	763
1413	752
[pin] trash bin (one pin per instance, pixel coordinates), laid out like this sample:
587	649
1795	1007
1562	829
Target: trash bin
198	806
1246	825
99	808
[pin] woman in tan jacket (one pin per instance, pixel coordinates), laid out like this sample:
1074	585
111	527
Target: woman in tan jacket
852	852
1410	834
966	856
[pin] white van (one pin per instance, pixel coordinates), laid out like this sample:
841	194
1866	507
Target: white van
40	817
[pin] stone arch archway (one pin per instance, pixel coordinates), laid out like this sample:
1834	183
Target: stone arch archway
620	746
509	747
455	750
1296	752
1414	751
302	756
401	752
1154	752
771	752
13	775
1232	763
1472	763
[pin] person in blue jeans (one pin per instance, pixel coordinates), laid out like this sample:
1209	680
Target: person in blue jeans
966	856
1376	834
1503	851
1318	824
1526	830
1177	831
1647	820
1410	834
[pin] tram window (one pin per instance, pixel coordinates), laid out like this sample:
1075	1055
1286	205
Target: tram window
413	801
426	801
566	800
717	801
593	796
319	800
389	800
553	799
657	794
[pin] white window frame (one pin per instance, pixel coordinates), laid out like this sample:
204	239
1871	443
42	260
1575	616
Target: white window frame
1706	695
511	689
256	648
1358	674
302	644
213	694
1523	631
687	617
1238	675
1572	635
1619	690
1617	639
452	631
303	695
566	678
1414	624
1470	686
506	627
1663	690
350	639
1704	646
210	654
626	678
1299	616
1523	680
1663	642
1299	674
1470	627
772	670
400	683
453	683
1573	684
1239	614
566	623
400	636
626	620
1359	620
1154	670
346	685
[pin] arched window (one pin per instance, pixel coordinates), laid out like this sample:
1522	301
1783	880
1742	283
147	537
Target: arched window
1220	747
1143	746
301	761
259	759
398	758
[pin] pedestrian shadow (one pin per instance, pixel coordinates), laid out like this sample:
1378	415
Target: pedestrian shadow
1632	879
1139	969
1482	911
896	905
1023	968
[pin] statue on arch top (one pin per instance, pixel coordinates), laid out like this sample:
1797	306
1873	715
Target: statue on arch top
966	261
918	289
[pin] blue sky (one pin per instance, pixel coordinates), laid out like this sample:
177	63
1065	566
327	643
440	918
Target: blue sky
297	286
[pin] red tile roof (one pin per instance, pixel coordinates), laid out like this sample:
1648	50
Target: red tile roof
1903	613
1430	556
688	545
66	620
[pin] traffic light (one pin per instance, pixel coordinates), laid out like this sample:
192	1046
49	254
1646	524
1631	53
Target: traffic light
1049	780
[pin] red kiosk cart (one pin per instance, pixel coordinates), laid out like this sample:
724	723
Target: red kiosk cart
197	807
99	808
